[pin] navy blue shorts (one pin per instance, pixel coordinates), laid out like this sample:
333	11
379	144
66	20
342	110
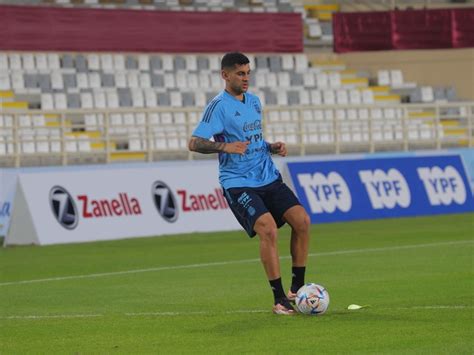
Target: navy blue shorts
249	203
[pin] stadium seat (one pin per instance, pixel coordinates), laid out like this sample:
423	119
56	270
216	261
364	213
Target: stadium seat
4	62
383	78
329	98
427	94
47	102
60	101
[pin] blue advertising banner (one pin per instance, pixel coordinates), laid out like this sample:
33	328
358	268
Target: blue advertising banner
344	190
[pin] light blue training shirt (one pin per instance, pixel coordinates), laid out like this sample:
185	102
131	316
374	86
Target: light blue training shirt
228	119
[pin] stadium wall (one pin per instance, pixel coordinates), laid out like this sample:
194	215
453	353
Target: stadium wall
81	204
406	29
87	29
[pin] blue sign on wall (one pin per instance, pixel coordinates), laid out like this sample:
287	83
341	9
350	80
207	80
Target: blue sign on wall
345	190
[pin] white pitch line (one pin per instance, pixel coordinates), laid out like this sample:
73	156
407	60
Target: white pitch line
231	262
208	313
54	316
192	313
437	307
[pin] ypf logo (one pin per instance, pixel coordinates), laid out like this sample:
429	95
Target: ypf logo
326	194
165	201
386	189
443	186
63	207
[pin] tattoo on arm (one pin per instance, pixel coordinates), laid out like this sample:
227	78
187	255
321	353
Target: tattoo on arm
205	146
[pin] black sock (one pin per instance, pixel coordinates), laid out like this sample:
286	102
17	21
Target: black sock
297	279
277	289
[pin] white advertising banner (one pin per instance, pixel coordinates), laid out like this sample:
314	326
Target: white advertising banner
7	193
82	206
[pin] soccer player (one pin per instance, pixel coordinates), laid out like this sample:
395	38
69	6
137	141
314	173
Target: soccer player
252	185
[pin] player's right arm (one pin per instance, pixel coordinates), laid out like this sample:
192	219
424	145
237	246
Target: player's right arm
212	124
205	146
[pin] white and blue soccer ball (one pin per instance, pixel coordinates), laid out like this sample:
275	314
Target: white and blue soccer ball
312	299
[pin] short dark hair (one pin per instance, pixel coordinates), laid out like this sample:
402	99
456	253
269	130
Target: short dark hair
230	60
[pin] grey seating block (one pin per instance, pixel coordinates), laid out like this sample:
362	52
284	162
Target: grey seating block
131	62
241	3
451	111
415	95
451	94
125	97
164	99
275	63
293	98
439	93
67	61
202	63
270	98
326	28
108	80
252	79
69	81
81	63
261	62
73	101
157	80
44	82
285	8
179	63
188	99
155	63
296	79
30	80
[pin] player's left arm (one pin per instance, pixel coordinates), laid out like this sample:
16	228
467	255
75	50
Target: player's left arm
277	148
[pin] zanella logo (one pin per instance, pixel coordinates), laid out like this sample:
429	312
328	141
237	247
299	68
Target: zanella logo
386	189
326	194
443	186
202	202
63	207
165	201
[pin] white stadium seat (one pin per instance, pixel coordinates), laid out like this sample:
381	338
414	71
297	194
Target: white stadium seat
4	62
87	100
47	102
121	80
112	99
93	62
60	101
329	98
106	62
383	78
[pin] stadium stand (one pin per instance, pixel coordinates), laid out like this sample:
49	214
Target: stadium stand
83	107
105	107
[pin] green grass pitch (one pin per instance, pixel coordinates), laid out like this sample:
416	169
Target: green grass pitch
207	293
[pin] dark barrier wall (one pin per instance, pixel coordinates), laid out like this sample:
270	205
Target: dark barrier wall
407	29
63	29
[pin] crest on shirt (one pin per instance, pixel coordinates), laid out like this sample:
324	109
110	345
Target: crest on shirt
257	108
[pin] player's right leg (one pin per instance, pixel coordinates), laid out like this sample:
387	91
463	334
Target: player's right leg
251	212
266	229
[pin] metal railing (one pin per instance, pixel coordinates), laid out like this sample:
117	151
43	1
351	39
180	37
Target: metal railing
65	137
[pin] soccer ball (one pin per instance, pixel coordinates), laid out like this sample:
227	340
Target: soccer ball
312	299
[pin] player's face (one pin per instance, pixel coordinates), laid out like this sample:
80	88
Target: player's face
237	79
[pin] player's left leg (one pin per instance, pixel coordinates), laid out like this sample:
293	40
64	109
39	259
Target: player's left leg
299	221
